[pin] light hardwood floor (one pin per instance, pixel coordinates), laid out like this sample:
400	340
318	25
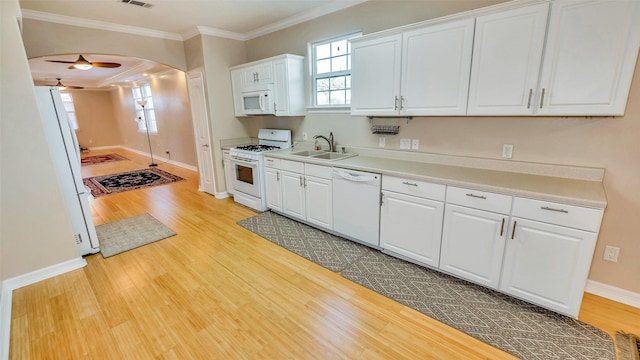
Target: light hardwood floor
218	291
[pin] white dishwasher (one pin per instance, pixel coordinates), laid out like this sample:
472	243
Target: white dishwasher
356	205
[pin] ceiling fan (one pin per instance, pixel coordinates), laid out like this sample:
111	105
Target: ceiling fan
61	86
84	64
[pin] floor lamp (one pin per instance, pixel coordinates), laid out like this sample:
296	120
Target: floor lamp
146	125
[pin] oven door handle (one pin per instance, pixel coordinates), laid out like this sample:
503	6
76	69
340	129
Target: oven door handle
242	161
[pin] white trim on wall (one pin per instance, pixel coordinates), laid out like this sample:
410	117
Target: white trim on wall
613	293
160	158
23	280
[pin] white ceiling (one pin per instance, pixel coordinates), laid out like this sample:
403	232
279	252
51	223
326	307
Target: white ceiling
175	19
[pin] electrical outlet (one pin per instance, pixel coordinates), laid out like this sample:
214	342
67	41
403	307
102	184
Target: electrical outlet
405	143
507	151
611	253
415	144
167	152
381	141
304	136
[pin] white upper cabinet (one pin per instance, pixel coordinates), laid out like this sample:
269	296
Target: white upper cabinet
584	68
419	72
375	76
257	75
435	69
590	57
507	53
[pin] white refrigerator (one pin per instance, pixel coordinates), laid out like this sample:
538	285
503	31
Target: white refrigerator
65	154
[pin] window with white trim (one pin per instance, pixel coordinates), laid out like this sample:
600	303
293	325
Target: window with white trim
331	67
70	109
143	92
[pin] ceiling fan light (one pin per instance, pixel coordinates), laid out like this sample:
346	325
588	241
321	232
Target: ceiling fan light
82	64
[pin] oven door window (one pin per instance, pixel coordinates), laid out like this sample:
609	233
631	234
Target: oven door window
244	174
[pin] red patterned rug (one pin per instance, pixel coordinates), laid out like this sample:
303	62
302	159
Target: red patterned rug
99	159
131	180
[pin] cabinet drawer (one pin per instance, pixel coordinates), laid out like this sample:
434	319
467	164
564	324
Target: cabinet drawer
320	171
559	214
477	199
294	166
272	162
414	187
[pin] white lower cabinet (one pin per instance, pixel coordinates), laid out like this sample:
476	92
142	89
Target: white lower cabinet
475	229
411	219
301	191
547	258
473	244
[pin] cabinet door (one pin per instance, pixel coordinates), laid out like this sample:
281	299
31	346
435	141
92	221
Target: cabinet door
319	201
273	189
436	62
590	57
257	75
411	227
547	264
293	199
473	244
237	86
375	76
507	53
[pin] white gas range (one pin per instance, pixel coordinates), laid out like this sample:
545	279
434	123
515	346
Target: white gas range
247	162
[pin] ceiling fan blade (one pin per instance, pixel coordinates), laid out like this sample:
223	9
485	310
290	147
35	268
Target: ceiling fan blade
105	64
60	61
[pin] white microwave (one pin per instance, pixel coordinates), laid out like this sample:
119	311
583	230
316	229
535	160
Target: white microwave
259	102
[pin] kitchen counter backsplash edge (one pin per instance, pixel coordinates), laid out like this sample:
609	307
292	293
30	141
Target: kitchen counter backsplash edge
562	183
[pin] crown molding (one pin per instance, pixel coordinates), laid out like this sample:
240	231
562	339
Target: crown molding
302	17
199	30
100	25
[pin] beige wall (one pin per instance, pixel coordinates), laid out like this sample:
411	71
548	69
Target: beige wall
44	38
97	125
35	230
610	143
173	118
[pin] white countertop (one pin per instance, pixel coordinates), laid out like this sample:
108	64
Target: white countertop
573	191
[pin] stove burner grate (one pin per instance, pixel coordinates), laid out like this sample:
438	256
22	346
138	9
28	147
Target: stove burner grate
257	148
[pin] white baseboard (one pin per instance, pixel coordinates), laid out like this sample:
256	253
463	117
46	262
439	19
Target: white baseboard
23	280
105	147
613	293
163	159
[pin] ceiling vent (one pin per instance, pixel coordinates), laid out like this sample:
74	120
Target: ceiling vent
137	3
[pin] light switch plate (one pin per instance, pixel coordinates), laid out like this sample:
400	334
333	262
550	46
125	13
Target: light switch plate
405	143
415	144
507	151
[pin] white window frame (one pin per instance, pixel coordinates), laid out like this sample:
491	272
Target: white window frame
143	92
70	109
314	76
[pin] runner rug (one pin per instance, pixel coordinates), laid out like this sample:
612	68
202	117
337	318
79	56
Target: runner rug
123	235
131	180
99	159
628	346
517	327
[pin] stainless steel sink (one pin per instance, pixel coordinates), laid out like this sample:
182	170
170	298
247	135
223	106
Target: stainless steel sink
333	156
309	153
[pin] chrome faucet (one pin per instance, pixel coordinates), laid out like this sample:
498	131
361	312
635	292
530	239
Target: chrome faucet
329	140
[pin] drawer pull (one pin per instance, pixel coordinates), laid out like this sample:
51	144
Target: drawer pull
410	184
502	227
477	196
556	210
513	233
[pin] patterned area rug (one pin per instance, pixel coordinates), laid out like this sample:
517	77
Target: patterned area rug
99	159
123	235
515	326
329	251
628	346
131	180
